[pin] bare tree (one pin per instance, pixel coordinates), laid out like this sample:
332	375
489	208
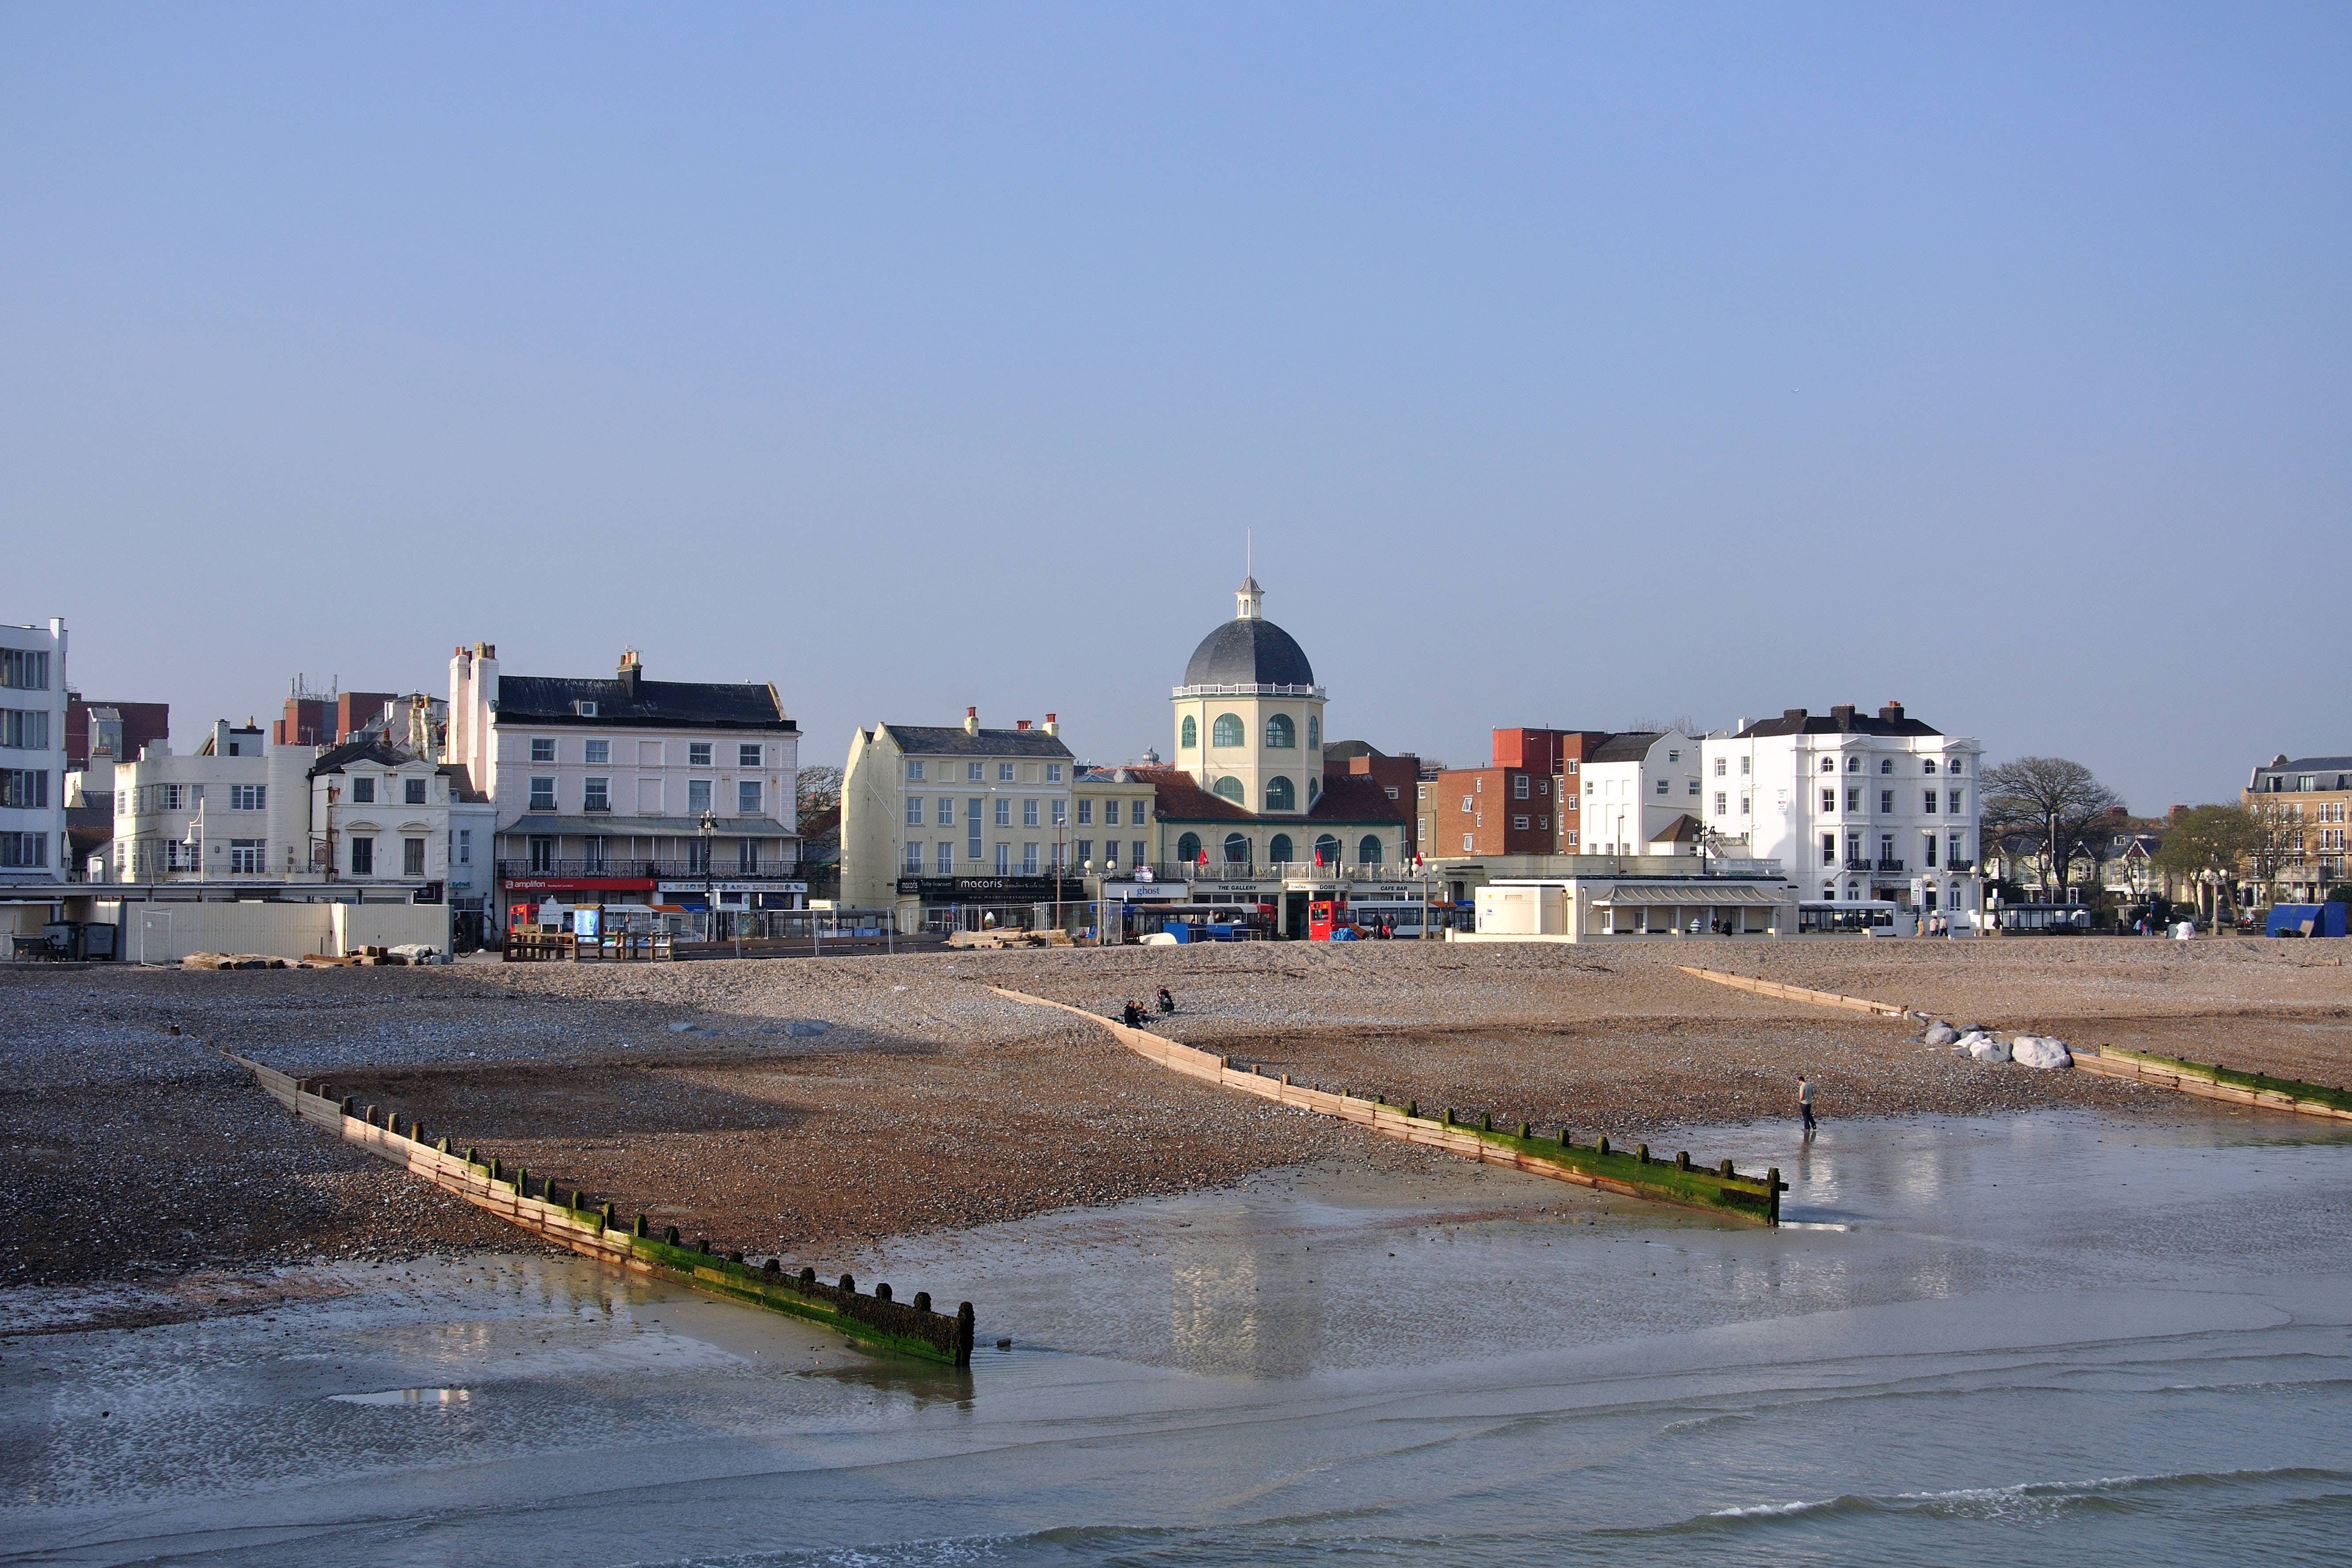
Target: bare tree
2208	846
819	800
2057	801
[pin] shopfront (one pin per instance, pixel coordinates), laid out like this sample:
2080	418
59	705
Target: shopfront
546	902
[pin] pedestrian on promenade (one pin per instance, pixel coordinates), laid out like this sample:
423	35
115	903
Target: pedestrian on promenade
1805	1102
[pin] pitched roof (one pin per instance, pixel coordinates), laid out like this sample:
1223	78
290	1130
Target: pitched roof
1629	747
553	699
2307	765
1175	797
1842	719
1681	830
951	741
367	748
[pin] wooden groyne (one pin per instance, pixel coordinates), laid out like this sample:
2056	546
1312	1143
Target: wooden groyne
1796	992
2203	1079
2213	1081
1633	1173
593	1231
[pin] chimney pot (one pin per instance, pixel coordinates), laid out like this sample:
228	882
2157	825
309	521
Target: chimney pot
1020	723
1796	713
971	721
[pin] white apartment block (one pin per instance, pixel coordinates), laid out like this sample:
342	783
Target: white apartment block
946	816
1856	807
628	791
231	809
379	814
33	753
1641	795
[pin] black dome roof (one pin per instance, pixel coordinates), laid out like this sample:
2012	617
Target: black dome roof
1249	651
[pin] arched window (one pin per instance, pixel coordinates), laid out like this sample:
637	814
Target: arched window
1280	733
1236	850
1188	848
1229	731
1368	853
1189	735
1327	850
1230	788
1278	849
1314	733
1281	795
1313	788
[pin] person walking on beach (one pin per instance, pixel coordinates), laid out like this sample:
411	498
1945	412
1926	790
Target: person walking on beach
1805	1102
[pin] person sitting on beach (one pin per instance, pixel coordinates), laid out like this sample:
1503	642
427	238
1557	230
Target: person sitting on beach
1132	1015
1167	1002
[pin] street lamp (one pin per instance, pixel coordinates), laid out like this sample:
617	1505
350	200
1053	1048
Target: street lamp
709	828
195	838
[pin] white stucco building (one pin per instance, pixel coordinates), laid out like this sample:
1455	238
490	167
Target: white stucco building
1858	807
1641	793
623	790
33	754
231	809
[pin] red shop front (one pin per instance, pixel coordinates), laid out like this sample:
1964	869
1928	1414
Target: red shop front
526	895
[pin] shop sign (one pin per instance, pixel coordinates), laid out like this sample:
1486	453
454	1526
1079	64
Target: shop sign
726	887
581	885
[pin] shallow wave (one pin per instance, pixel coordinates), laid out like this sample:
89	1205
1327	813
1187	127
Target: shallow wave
1990	1502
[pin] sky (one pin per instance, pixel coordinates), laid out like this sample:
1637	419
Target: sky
1562	365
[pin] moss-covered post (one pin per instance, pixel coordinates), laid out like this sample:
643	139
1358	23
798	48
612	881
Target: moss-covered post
1603	1146
1564	1139
1772	1193
1640	1153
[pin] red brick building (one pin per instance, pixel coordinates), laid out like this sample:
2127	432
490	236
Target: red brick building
321	720
1395	777
1524	802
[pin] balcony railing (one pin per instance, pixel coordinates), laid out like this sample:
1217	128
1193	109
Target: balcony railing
1859	863
1960	863
720	868
1887	865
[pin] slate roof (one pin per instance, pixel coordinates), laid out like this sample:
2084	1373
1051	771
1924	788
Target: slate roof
2330	772
666	704
949	741
1345	798
1249	651
369	749
1843	720
1629	747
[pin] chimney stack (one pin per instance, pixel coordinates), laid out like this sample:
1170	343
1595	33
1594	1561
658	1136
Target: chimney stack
1053	726
1796	714
1892	712
630	672
1020	723
971	721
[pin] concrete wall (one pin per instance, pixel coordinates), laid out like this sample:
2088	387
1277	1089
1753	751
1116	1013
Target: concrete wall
167	932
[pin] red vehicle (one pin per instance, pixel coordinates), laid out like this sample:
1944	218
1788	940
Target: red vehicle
1326	919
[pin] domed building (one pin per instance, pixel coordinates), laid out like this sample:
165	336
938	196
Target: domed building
1248	794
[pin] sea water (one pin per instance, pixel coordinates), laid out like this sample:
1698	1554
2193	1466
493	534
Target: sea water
2047	1338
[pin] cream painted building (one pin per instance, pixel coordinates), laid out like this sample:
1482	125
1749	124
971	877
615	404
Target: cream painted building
944	815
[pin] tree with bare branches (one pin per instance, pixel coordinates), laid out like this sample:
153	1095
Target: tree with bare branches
2057	801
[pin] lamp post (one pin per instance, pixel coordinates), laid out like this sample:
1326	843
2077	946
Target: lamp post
709	828
196	839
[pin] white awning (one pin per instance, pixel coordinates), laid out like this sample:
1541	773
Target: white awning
1690	896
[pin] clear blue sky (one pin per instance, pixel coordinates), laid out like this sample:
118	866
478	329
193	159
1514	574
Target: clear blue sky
1572	365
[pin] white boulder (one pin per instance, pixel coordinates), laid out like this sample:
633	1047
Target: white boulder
1939	1033
1985	1048
2040	1051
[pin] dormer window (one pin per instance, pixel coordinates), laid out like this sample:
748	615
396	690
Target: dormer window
585	708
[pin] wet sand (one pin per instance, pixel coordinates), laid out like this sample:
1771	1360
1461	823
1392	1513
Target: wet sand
812	1108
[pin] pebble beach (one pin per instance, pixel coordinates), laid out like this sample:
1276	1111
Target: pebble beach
813	1107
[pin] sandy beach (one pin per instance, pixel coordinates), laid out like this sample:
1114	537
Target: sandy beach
814	1107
